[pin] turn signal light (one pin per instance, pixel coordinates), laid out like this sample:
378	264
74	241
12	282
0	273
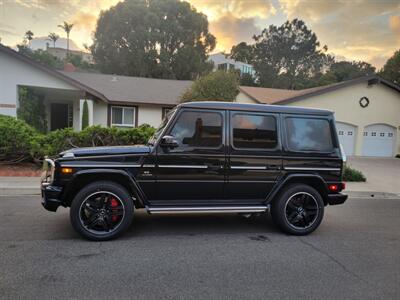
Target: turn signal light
66	170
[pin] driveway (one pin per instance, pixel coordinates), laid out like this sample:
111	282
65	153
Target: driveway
383	174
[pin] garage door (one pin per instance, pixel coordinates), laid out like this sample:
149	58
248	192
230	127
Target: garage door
347	136
378	140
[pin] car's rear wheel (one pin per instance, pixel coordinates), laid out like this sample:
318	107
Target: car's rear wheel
101	211
298	210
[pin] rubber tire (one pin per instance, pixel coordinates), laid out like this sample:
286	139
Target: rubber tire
91	188
278	209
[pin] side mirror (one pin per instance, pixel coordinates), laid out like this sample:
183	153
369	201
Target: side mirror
169	141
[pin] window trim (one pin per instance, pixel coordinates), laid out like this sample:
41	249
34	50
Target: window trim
316	117
278	130
135	115
176	118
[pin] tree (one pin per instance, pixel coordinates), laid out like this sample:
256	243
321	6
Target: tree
215	86
31	109
29	36
153	38
53	37
247	79
85	115
344	70
288	55
391	69
242	52
67	28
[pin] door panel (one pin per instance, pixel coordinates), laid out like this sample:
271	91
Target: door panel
379	140
255	156
194	171
59	116
347	134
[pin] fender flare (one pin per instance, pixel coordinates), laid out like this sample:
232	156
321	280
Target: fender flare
135	188
290	177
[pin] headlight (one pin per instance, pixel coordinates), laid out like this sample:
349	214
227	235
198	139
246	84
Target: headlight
48	170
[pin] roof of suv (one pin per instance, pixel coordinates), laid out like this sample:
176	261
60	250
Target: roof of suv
256	107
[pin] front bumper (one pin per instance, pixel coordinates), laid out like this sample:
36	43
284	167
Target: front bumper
51	196
335	199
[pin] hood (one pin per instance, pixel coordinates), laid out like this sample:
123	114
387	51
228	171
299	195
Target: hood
110	150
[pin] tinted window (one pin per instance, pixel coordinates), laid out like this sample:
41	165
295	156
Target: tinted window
309	134
198	129
254	131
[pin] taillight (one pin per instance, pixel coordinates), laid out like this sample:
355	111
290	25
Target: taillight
333	187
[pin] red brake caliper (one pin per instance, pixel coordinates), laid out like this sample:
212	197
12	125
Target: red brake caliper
114	203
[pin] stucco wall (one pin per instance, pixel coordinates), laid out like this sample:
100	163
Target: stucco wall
243	98
100	113
14	72
384	107
150	114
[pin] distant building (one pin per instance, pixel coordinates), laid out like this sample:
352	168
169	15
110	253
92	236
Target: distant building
222	62
61	53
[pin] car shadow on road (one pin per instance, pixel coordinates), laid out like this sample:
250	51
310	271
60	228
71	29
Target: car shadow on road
198	224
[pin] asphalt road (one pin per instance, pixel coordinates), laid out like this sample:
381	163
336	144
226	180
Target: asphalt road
355	254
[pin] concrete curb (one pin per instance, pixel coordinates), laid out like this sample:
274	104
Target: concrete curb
372	194
19	191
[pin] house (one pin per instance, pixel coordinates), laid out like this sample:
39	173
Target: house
112	100
222	62
367	111
61	53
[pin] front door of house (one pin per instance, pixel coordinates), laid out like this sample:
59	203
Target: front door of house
59	116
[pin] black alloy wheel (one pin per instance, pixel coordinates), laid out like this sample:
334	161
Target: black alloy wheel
101	211
298	210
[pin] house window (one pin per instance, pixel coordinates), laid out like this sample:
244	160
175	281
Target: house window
122	116
350	133
341	132
382	134
390	134
365	133
373	134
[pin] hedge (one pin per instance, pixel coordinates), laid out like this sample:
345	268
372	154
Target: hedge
354	175
20	142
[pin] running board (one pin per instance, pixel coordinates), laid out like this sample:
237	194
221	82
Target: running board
208	209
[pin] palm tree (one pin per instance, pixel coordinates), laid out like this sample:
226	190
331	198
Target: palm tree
29	36
67	28
53	37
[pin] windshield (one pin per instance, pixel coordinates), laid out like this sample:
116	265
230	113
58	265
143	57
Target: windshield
160	129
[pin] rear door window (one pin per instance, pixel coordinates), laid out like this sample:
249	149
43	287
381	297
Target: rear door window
308	134
254	131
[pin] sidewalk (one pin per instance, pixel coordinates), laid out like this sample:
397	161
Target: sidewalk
19	186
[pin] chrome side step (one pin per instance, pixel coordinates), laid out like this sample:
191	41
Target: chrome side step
208	209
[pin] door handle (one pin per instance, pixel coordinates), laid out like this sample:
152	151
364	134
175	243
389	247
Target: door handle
273	167
214	168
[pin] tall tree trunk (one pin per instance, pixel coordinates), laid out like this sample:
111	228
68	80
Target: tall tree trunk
67	44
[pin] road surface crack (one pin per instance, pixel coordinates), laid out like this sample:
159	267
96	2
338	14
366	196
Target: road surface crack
342	266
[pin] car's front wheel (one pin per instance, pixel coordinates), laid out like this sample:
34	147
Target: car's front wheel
298	210
101	211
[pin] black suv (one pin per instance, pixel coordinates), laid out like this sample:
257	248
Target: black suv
206	157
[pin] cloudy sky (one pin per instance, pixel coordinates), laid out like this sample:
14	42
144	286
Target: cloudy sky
352	29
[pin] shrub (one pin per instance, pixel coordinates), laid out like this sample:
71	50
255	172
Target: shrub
398	156
16	138
351	174
63	139
20	142
85	115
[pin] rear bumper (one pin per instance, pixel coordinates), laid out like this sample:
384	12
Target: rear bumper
50	197
335	199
